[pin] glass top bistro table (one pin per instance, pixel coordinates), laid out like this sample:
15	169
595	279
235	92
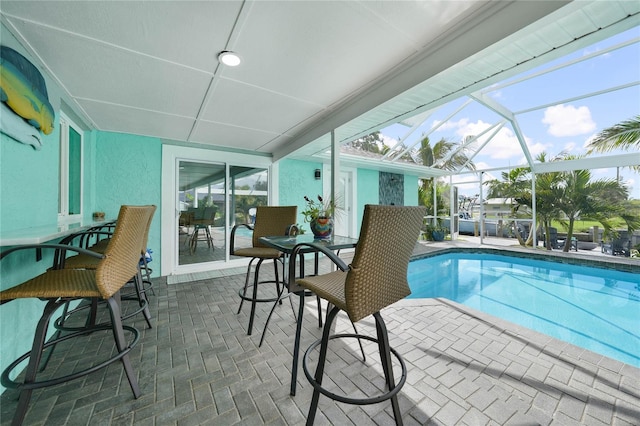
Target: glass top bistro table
286	244
307	244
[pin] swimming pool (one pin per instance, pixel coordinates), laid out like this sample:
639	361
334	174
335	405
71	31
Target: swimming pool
594	308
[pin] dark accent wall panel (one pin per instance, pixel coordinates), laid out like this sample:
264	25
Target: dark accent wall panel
391	190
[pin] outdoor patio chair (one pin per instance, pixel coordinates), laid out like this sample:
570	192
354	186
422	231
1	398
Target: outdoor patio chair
376	278
270	221
117	266
185	219
619	246
207	219
553	239
141	283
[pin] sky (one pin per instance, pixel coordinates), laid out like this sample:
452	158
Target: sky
564	123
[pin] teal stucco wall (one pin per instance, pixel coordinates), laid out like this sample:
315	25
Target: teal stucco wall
297	181
410	190
28	183
28	198
128	171
118	169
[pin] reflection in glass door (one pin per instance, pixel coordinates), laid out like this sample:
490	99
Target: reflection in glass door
203	198
195	179
249	189
202	206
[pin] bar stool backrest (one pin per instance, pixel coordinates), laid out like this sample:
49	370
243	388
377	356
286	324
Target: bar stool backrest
122	254
272	220
377	276
145	238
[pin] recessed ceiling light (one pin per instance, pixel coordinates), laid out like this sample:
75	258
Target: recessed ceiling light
229	58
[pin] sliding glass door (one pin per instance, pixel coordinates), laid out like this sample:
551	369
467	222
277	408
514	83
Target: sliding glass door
202	204
210	193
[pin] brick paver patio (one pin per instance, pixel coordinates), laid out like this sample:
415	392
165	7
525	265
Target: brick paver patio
198	366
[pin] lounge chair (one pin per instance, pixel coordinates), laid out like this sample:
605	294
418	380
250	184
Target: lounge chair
553	239
620	246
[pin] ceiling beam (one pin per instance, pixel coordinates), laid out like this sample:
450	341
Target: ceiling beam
590	163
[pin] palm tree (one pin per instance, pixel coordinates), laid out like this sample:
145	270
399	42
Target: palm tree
516	185
624	136
547	195
567	195
581	197
434	155
440	155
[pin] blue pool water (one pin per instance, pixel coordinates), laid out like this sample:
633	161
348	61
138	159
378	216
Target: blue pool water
597	309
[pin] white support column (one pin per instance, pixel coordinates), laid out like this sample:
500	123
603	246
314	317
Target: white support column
435	201
335	169
481	211
534	220
452	207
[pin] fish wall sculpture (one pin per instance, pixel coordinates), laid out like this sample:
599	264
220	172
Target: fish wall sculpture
14	126
23	90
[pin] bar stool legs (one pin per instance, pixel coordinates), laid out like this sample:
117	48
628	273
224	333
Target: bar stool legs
27	386
385	356
253	298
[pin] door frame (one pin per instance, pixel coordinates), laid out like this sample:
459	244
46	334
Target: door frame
170	211
351	196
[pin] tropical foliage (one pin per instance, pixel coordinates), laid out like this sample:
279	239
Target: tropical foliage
623	136
445	155
566	197
370	143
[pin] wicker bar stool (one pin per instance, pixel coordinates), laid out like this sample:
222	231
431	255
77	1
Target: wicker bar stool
140	284
58	286
376	278
270	221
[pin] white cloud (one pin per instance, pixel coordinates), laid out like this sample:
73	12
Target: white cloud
538	148
450	124
465	179
388	140
573	148
567	120
503	146
481	165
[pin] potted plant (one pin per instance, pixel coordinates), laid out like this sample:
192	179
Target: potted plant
319	215
438	232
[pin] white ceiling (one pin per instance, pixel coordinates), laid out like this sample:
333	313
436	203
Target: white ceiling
150	67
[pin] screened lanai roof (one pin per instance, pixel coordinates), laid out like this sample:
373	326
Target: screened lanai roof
576	61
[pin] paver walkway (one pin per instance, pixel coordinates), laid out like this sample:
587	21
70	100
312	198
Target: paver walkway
198	366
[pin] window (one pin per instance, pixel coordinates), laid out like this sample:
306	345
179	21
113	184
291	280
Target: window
70	194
